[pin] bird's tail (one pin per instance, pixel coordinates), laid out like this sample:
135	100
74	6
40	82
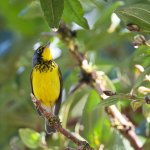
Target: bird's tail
49	129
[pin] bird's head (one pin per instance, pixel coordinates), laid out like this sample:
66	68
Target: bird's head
43	53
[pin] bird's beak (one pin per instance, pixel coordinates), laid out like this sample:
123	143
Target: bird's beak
46	54
47	45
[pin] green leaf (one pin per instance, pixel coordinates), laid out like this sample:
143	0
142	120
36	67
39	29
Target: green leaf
105	17
136	104
110	100
70	105
30	138
92	101
108	83
117	141
141	77
53	10
146	111
95	121
73	11
33	10
137	14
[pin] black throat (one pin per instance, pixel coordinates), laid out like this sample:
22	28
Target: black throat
44	66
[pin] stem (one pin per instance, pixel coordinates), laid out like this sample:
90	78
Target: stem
67	134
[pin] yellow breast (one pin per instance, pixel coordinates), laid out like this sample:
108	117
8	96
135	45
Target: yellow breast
46	85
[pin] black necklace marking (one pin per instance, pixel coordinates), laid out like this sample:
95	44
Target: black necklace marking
44	66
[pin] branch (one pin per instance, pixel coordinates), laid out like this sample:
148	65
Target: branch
90	77
140	40
55	122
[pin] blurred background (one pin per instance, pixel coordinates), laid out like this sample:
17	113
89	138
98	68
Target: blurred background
108	46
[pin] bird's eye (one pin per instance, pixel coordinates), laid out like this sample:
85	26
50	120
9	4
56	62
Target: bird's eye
39	51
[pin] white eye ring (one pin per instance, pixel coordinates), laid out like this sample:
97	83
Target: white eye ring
39	51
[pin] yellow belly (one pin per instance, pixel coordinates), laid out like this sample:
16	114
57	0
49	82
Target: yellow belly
46	86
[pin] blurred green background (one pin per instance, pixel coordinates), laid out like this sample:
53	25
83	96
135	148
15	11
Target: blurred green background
107	45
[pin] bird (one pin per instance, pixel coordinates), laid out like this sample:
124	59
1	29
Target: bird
46	82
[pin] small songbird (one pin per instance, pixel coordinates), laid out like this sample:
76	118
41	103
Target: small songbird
46	82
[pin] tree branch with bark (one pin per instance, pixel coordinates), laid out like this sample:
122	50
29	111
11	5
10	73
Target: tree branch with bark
91	78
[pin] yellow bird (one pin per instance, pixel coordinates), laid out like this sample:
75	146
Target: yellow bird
46	81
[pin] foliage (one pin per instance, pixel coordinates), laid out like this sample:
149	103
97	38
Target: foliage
138	14
107	44
52	11
30	138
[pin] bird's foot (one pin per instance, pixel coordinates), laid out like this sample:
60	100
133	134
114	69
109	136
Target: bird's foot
54	120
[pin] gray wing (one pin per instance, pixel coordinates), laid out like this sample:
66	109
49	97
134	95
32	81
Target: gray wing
58	102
